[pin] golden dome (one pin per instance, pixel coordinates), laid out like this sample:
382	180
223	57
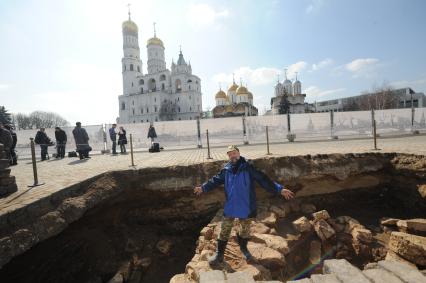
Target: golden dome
242	90
129	26
220	94
250	95
155	41
233	87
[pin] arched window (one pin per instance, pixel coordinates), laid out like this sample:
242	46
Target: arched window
163	86
141	89
162	77
152	85
123	106
139	69
189	81
141	82
131	67
178	85
189	87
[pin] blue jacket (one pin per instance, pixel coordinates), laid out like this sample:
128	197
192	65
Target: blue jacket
112	134
239	188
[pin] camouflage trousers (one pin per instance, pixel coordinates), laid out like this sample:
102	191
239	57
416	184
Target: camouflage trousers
243	228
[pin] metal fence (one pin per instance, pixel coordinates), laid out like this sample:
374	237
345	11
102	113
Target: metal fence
239	130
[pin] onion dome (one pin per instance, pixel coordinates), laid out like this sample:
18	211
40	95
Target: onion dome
241	90
155	41
233	87
220	94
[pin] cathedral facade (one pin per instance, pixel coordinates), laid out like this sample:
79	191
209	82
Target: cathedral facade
288	97
161	94
237	102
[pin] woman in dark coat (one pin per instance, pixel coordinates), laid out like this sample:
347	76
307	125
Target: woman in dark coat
81	141
151	133
122	140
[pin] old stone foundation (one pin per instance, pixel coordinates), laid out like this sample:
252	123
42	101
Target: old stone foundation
147	226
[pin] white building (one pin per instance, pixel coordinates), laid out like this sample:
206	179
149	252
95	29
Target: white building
288	95
401	98
161	94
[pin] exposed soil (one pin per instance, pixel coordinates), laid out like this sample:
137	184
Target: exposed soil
123	233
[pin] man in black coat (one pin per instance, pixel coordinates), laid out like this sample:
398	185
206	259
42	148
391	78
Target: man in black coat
152	134
113	137
61	141
81	141
44	141
13	157
6	139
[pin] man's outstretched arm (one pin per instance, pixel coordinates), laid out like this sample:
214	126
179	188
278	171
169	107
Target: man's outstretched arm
269	185
212	183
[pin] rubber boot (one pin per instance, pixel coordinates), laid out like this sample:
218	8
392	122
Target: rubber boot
243	247
217	258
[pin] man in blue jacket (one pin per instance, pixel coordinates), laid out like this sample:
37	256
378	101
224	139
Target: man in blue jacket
238	176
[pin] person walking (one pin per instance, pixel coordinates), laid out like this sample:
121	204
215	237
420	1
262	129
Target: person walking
44	141
61	141
238	177
81	141
122	140
113	137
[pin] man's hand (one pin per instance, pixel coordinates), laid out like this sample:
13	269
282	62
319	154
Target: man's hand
287	194
198	190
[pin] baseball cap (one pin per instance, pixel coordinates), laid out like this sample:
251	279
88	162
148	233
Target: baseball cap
232	148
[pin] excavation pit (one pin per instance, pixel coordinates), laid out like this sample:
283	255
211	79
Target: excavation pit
144	225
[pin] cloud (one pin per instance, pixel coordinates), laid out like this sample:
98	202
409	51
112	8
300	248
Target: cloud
204	15
4	86
258	76
322	64
362	66
314	91
420	83
296	68
314	6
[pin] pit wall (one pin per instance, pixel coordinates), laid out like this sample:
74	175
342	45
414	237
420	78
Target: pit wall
143	188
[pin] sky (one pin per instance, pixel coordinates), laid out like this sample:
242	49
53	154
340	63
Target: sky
65	56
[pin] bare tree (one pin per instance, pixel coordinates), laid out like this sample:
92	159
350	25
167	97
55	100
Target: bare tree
378	98
39	119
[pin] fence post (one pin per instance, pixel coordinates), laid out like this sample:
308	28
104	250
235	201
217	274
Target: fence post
245	139
208	145
33	158
291	137
374	135
332	136
267	141
131	150
200	145
413	111
373	119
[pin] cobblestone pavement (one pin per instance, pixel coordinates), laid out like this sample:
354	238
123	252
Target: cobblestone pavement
59	174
